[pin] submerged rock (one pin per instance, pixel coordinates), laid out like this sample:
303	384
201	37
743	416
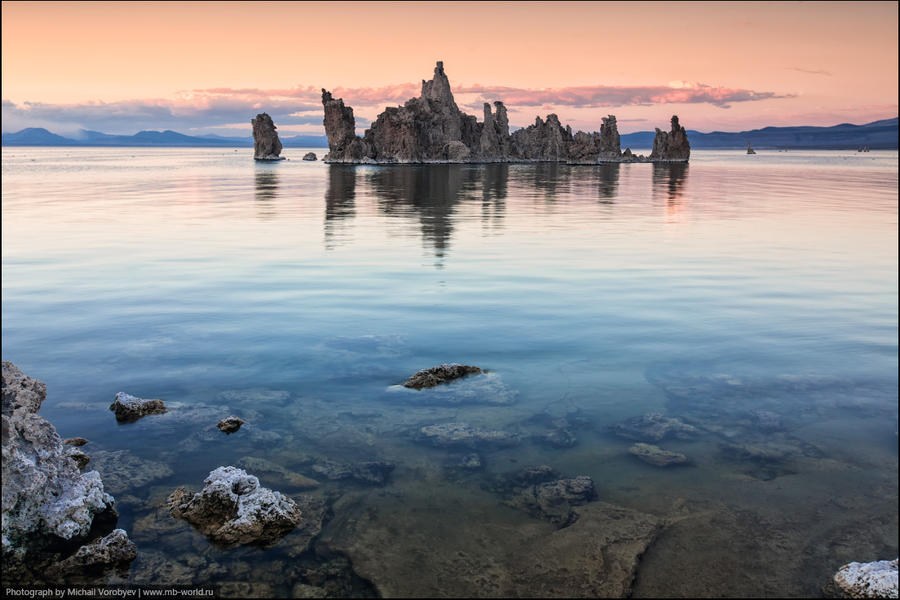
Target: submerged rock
230	424
310	156
656	456
868	580
233	509
122	470
652	427
81	459
427	378
129	408
462	434
500	555
51	510
432	128
373	472
276	471
266	145
75	441
553	500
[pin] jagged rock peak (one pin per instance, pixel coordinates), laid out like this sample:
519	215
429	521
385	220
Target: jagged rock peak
438	88
671	146
266	145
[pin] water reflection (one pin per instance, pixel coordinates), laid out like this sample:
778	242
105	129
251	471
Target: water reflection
607	181
494	180
340	201
266	192
669	179
430	193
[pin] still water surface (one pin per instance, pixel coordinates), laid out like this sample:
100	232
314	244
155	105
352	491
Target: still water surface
298	295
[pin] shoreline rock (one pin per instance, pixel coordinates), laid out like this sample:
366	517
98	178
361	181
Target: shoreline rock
130	408
310	156
52	512
432	129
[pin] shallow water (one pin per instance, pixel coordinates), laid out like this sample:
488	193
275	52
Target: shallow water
298	295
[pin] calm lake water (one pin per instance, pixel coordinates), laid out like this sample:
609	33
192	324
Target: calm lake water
755	297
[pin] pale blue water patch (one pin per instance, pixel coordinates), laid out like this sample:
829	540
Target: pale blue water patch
187	274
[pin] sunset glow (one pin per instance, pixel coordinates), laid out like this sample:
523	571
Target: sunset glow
208	67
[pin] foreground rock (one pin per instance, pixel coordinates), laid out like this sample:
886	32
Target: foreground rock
129	408
432	128
51	511
461	434
656	456
266	145
427	378
233	509
868	580
230	424
310	156
653	427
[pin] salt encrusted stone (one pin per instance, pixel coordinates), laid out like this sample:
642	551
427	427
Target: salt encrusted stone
130	408
233	509
50	508
868	580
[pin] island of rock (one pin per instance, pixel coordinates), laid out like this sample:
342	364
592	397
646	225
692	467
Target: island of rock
266	145
432	129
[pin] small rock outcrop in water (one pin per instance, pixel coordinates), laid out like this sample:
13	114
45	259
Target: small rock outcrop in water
233	509
266	145
868	580
130	408
52	512
432	128
230	424
427	378
310	156
672	146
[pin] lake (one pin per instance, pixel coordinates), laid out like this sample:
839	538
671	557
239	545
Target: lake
752	297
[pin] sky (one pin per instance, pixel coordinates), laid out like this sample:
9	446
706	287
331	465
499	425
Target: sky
209	67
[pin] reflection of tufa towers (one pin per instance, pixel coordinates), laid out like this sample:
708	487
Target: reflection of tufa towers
340	202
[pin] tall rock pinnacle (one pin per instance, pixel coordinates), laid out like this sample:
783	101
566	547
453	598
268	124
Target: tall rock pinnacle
266	145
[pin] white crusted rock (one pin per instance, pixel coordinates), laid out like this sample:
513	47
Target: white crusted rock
868	580
233	509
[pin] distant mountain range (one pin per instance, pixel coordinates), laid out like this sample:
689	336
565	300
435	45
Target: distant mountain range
881	135
876	135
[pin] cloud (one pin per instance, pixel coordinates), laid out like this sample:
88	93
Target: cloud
130	116
199	109
809	71
599	96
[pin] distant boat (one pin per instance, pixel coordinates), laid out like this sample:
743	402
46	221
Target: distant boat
749	149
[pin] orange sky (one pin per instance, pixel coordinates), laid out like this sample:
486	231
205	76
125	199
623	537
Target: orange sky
794	63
